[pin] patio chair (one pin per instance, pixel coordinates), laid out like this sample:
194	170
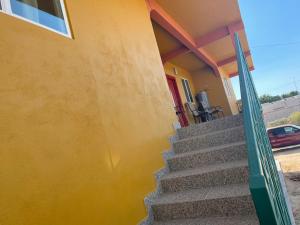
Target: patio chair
210	112
194	111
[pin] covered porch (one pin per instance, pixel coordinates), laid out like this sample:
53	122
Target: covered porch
196	44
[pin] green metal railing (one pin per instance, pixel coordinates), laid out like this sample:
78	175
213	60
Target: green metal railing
264	181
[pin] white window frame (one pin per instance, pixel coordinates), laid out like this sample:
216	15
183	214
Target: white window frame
6	8
187	90
228	87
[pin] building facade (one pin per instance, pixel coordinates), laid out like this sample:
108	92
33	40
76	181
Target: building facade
86	104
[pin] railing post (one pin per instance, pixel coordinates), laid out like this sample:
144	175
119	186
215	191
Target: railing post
264	182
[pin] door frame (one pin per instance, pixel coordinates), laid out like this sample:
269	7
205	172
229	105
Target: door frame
177	93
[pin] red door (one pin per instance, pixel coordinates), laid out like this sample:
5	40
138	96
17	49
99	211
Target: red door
179	109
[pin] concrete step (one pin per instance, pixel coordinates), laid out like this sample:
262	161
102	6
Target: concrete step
214	155
230	200
217	138
234	220
211	126
235	172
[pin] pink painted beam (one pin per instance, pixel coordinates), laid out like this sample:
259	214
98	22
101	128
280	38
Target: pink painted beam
236	73
206	39
236	26
161	17
174	53
231	59
219	33
212	36
232	28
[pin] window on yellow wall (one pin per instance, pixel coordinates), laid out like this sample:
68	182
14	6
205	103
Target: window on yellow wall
228	87
49	14
1	7
187	90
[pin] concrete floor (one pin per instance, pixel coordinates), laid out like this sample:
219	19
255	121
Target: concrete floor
290	163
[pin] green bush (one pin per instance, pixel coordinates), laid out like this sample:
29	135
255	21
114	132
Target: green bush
294	118
278	122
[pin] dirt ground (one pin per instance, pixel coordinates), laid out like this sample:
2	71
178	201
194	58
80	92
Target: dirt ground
290	164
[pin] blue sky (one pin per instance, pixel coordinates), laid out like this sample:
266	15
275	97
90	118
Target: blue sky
273	31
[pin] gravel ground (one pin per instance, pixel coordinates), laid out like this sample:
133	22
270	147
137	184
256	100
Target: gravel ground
290	164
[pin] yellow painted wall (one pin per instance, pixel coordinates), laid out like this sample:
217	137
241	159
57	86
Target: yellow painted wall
205	80
83	122
181	74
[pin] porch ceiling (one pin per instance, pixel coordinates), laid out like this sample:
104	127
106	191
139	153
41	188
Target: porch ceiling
230	69
167	43
189	62
209	23
199	17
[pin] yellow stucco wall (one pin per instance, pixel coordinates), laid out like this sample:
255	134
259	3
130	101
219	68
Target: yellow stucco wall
83	122
205	80
181	74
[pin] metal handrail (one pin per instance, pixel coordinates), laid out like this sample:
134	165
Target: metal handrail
265	186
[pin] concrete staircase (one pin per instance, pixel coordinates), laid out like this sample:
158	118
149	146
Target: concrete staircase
205	181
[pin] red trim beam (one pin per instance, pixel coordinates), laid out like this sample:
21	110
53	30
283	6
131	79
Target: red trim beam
231	59
169	24
210	37
176	52
236	73
219	33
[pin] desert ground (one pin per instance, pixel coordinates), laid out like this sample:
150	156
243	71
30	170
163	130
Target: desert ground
290	163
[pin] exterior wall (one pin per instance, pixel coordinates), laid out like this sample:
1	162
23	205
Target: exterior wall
181	74
205	80
83	121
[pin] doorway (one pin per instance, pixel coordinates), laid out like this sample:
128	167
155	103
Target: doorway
179	109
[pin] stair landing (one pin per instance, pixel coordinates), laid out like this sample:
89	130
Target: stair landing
205	181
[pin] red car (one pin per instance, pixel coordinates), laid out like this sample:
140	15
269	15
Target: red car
285	135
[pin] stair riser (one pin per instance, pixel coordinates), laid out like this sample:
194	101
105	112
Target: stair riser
235	206
206	141
218	156
237	175
235	220
215	125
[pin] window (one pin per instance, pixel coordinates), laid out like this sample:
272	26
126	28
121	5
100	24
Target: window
278	131
49	14
228	87
290	130
187	90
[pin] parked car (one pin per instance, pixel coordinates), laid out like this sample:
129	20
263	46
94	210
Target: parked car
284	135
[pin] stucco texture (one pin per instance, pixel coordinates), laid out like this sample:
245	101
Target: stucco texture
83	121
